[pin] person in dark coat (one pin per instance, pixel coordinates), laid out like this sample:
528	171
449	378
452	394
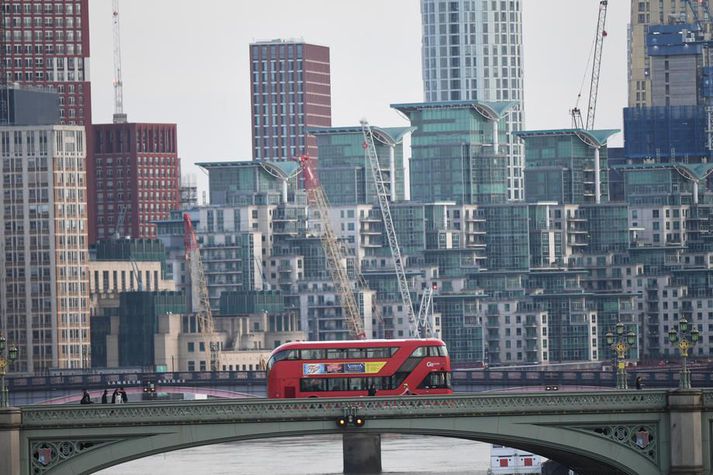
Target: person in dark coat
114	396
86	398
105	396
639	382
372	390
124	397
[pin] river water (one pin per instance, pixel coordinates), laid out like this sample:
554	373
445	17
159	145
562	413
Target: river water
318	455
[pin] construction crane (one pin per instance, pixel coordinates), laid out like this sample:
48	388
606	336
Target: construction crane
415	324
333	251
425	310
199	290
120	222
601	33
119	116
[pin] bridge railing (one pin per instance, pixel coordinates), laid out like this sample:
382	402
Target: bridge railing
105	380
462	379
179	412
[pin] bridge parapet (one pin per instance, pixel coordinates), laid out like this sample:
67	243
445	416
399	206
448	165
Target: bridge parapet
285	409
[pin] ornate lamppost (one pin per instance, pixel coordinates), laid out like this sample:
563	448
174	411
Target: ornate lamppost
7	356
686	337
620	343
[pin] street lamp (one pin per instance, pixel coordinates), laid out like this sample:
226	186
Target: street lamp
7	356
686	338
620	343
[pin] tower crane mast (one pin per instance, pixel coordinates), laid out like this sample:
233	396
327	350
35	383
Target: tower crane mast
597	63
199	289
334	252
415	323
601	33
119	116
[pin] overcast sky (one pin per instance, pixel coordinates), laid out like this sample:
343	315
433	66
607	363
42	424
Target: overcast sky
186	61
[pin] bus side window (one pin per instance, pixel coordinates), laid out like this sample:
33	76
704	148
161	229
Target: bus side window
419	352
356	353
293	355
314	354
337	384
312	384
336	354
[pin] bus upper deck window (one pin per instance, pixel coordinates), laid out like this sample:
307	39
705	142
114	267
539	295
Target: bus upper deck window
336	353
313	354
420	351
356	353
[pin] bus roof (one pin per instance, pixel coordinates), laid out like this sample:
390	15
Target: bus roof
358	343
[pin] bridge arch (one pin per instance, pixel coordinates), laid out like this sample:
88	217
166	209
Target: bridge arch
599	455
605	432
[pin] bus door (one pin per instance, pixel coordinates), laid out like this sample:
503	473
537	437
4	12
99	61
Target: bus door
290	388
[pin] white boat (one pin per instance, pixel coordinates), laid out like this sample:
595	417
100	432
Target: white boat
508	461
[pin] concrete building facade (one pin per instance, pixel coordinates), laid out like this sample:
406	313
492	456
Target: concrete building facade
44	287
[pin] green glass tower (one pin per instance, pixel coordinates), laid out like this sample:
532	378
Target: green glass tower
456	153
344	171
566	166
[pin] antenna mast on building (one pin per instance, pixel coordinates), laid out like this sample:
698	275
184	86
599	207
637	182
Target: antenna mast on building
119	116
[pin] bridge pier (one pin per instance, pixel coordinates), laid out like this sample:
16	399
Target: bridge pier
10	422
686	432
361	452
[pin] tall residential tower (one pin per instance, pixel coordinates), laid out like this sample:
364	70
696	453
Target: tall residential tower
46	44
471	51
289	92
44	285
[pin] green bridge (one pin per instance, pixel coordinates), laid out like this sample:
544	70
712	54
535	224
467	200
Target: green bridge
602	432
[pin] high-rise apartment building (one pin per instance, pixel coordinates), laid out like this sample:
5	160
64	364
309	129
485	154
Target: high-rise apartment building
472	51
46	44
136	179
645	15
44	286
670	83
289	92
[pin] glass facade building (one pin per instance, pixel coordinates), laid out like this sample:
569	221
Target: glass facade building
472	50
344	171
560	165
237	183
456	153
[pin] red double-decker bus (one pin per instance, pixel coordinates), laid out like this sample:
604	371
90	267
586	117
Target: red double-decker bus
359	368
